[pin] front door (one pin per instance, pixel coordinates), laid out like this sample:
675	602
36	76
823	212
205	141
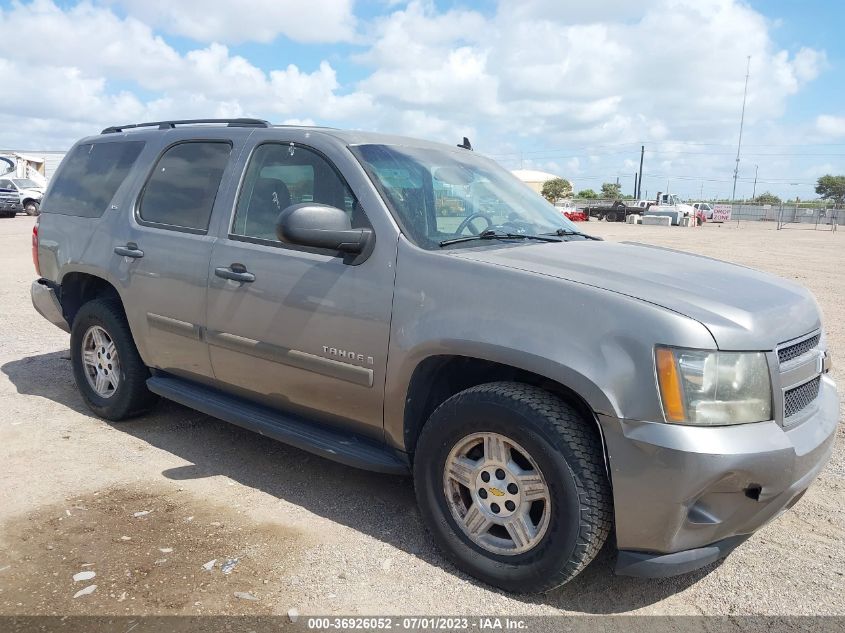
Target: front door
299	329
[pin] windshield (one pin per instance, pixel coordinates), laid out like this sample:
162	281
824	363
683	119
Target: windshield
438	195
25	183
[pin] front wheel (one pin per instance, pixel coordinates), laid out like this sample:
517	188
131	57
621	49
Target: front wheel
108	370
510	481
31	207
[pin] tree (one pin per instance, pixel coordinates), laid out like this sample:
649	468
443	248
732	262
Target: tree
832	188
767	198
611	191
587	194
556	189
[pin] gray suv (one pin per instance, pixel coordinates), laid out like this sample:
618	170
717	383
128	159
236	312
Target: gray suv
411	308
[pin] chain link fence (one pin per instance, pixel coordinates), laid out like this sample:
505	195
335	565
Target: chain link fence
785	215
795	216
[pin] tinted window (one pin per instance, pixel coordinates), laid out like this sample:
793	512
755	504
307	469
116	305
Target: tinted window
184	183
90	176
6	184
282	175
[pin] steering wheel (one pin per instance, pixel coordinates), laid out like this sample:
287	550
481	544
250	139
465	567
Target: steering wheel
467	220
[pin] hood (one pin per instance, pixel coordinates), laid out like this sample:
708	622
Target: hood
743	309
33	192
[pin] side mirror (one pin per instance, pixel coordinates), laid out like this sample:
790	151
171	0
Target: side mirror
321	226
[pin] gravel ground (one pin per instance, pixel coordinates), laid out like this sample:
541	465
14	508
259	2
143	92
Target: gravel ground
317	536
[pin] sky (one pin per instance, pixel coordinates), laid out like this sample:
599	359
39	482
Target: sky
573	88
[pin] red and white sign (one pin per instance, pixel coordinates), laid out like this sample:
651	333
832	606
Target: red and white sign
722	212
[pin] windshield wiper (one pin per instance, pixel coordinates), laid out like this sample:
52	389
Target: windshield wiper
490	234
570	232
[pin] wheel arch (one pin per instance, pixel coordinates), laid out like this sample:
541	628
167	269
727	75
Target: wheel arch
78	288
440	376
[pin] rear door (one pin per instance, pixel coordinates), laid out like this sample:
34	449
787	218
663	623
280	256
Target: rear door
164	255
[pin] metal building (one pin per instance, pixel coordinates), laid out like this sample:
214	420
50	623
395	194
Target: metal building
35	164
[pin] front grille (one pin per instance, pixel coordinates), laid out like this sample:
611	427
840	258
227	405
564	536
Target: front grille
786	354
800	397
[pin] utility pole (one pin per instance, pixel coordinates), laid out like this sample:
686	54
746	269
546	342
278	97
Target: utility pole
741	124
635	185
640	180
754	193
701	193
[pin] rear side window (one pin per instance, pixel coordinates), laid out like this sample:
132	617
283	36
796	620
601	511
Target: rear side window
90	176
181	190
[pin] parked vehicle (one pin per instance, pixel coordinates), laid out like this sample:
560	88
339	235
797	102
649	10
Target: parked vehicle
671	205
705	210
616	212
28	191
304	283
10	203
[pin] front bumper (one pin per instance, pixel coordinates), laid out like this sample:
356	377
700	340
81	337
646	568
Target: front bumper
689	492
47	304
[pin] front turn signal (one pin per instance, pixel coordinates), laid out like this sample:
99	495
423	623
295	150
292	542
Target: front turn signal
670	385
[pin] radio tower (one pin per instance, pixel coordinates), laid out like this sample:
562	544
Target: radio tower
741	123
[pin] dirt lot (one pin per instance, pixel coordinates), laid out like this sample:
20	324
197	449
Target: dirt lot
316	536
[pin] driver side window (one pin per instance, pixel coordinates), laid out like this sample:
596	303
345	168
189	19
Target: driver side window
280	175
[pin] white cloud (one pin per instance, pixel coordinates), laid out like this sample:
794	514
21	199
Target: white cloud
830	125
540	74
248	20
100	69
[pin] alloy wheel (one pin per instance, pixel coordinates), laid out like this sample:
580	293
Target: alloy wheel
100	361
497	493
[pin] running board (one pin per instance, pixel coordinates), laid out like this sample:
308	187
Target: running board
345	448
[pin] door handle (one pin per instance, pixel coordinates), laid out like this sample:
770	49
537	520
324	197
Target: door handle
235	272
130	250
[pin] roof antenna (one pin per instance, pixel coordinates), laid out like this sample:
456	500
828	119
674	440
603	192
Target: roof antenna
466	144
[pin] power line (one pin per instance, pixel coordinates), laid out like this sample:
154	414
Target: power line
668	144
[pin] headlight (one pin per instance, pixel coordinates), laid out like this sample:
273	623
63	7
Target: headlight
713	388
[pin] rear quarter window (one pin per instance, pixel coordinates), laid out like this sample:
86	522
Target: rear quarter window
90	176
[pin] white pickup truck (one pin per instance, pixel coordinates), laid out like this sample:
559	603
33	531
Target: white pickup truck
671	205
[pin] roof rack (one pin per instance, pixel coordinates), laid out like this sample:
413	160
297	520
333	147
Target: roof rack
169	125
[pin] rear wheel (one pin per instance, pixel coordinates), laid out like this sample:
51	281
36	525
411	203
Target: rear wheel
510	481
611	217
108	370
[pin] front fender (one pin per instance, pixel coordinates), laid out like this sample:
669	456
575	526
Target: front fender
597	343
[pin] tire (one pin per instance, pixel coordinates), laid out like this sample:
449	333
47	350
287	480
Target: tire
566	449
611	217
130	396
698	221
31	207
